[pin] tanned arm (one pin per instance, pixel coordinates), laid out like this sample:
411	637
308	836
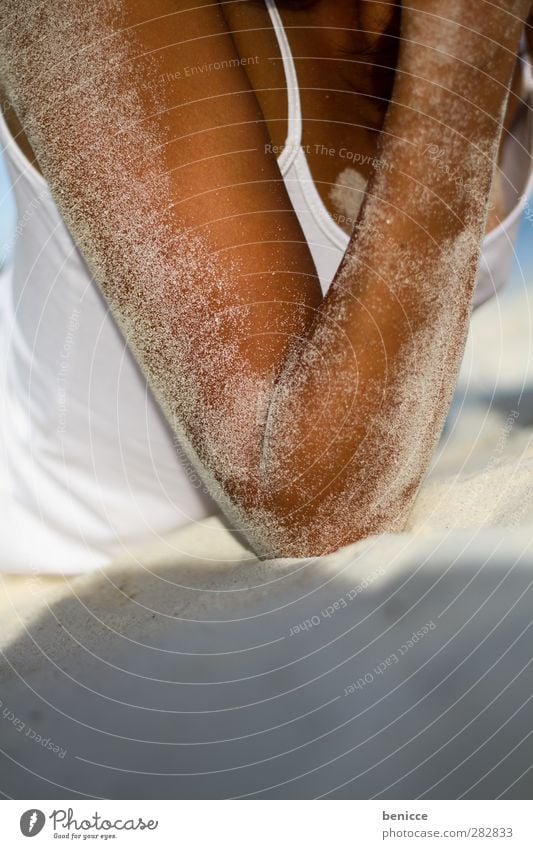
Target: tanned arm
313	420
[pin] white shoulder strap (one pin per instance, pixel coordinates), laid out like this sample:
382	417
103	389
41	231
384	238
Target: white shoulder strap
294	118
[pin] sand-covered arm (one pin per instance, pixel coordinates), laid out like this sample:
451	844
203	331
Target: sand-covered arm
313	420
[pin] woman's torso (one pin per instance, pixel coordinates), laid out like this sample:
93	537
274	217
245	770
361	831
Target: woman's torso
89	465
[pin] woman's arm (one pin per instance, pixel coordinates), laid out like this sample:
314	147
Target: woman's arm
314	420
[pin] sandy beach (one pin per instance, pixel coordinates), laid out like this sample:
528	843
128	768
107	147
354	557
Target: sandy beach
399	667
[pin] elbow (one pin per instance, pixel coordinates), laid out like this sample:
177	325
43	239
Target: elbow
282	527
291	515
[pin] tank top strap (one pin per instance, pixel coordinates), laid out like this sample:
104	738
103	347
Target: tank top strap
294	110
11	151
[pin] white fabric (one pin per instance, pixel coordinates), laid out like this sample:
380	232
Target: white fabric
89	468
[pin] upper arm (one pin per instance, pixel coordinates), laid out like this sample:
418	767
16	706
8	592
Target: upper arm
145	126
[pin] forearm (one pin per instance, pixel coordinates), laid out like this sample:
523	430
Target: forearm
377	372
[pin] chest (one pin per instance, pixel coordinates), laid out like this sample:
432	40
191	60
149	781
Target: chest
308	87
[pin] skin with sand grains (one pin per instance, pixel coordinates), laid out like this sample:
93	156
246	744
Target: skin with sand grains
312	420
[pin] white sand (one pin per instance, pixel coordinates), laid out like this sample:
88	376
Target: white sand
138	672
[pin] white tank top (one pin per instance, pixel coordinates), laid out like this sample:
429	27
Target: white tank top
88	466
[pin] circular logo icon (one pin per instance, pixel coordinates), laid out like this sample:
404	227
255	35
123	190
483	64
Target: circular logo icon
32	822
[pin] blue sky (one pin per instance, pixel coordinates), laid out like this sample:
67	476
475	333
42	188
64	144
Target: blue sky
523	267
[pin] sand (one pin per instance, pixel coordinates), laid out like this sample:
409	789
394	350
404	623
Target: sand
399	667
